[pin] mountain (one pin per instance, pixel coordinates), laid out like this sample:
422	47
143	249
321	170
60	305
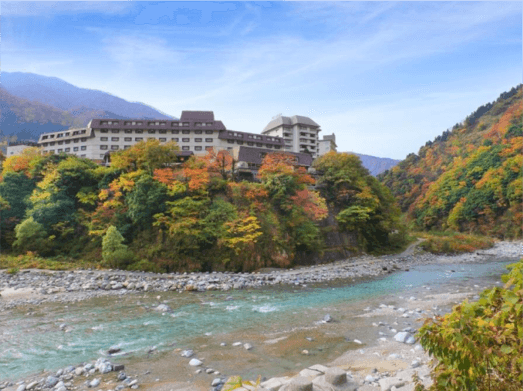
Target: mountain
470	177
376	165
62	95
28	119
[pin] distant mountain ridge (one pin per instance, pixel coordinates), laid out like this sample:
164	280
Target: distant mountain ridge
376	165
65	96
32	104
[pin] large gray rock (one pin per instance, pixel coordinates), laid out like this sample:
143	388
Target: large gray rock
51	381
387	383
94	383
298	383
402	336
163	308
195	362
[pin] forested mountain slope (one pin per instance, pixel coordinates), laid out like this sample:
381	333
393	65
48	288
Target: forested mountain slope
376	165
469	178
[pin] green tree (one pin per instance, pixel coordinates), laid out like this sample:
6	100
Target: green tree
31	236
114	252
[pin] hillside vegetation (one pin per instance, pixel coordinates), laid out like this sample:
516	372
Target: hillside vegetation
469	179
143	212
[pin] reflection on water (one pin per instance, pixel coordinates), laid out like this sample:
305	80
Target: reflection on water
31	343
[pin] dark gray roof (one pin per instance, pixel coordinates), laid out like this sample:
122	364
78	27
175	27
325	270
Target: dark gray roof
295	119
102	123
197	116
256	155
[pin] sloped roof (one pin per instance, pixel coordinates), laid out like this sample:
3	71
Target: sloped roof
295	119
197	115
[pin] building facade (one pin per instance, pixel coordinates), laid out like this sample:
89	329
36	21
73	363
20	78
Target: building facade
300	134
195	132
328	144
16	148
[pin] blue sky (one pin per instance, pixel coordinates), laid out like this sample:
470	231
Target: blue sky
385	77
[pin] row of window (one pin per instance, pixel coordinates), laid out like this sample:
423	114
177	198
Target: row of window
251	144
117	147
75	149
66	134
155	123
152	131
161	139
83	140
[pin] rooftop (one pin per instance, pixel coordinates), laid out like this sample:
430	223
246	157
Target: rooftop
294	120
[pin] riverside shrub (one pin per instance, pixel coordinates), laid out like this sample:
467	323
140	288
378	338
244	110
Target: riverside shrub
479	346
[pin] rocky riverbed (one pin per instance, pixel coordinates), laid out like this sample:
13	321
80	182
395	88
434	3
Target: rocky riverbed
382	364
38	286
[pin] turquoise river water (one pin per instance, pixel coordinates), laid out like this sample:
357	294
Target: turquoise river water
31	340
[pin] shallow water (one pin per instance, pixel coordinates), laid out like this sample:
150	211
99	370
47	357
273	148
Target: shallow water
31	340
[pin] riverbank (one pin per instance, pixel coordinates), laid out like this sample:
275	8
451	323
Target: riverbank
35	286
389	317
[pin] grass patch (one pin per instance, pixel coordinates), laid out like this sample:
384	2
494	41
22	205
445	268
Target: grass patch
32	261
453	242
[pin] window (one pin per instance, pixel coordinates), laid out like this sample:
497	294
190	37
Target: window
128	139
104	138
115	131
162	131
67	149
174	124
75	149
44	144
208	132
163	139
139	131
268	145
185	148
230	141
126	146
151	131
82	131
198	148
186	140
198	131
82	155
208	140
151	138
60	142
250	143
208	147
44	137
185	124
51	143
239	142
138	139
104	130
250	136
67	141
209	124
76	133
104	147
128	130
76	141
115	138
83	148
51	136
175	131
83	139
60	135
114	147
259	144
60	150
197	140
186	131
277	147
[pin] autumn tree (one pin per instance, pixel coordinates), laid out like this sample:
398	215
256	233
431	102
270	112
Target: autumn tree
145	155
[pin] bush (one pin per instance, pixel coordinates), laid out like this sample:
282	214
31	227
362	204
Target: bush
454	243
114	252
31	236
479	345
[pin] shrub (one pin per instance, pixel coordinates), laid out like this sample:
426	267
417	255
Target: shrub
30	236
114	252
479	345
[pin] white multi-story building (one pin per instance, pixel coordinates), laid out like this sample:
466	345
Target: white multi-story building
194	132
16	148
328	144
299	133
